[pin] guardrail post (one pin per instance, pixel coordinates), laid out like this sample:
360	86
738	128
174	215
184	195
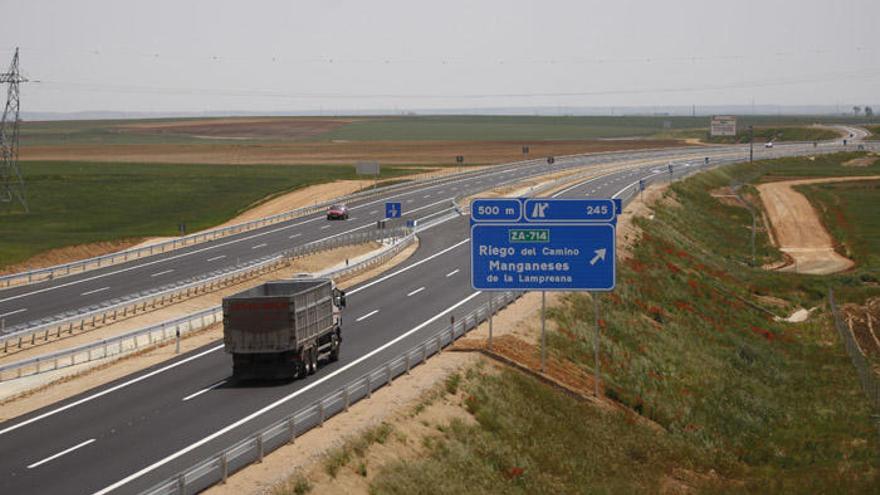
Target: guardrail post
369	387
321	413
439	344
406	358
424	352
347	398
181	483
259	447
224	468
388	370
291	425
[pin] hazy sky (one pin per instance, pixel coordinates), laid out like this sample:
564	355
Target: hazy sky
337	54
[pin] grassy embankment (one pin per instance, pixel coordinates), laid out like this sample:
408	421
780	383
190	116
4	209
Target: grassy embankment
739	402
849	209
762	134
77	203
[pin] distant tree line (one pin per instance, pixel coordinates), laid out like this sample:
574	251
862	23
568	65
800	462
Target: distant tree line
869	112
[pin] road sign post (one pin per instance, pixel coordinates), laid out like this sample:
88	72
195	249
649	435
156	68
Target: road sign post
543	331
490	321
596	342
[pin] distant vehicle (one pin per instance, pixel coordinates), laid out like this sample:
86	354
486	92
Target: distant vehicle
283	328
768	144
337	212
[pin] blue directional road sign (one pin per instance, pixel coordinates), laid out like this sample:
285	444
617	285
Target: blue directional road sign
393	210
569	210
496	210
554	257
641	184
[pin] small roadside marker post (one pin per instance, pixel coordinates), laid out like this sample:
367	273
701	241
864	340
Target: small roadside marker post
177	337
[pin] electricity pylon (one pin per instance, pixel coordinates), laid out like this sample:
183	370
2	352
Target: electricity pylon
12	188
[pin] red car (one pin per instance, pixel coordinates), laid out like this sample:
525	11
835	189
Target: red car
337	212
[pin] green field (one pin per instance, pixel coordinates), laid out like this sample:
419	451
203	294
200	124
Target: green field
739	402
451	128
76	203
850	212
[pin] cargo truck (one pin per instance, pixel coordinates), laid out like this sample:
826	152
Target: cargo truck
282	329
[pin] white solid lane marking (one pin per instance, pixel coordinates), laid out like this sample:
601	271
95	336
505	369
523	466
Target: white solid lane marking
282	400
453	272
163	260
63	452
415	291
202	391
398	272
162	273
371	313
373	212
325	227
294	236
258	246
426	196
109	390
352	219
22	310
215	258
102	289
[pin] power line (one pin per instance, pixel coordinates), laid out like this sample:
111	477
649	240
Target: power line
268	93
287	58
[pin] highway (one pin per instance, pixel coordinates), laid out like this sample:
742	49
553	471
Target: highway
32	303
126	436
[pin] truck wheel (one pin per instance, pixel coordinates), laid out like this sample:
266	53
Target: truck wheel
302	365
334	348
313	360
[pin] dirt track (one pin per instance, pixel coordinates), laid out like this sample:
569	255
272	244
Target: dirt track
798	230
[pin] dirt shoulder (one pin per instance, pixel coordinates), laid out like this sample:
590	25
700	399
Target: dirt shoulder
797	227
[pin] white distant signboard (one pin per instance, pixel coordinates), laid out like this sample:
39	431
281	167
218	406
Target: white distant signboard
722	125
367	168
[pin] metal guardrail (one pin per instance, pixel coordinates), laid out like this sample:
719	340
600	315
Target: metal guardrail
29	334
217	467
161	332
867	377
63	270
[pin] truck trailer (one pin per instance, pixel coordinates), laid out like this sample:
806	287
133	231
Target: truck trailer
283	328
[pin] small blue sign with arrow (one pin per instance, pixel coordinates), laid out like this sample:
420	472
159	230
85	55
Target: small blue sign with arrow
393	210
